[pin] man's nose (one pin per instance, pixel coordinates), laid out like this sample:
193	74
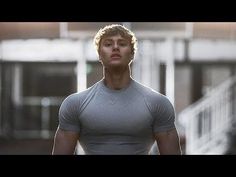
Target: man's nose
115	46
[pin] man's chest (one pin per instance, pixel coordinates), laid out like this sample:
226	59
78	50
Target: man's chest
116	115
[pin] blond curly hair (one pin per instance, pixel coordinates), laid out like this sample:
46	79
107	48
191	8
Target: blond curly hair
114	29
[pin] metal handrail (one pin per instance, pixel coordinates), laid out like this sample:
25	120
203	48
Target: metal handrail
207	121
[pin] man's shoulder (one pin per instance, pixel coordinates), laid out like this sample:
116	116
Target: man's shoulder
80	96
150	94
145	90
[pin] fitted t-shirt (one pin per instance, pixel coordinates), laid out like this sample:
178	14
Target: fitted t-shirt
117	121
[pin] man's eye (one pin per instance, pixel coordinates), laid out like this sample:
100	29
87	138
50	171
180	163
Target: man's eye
123	44
107	44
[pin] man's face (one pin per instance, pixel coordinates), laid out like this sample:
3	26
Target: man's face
115	51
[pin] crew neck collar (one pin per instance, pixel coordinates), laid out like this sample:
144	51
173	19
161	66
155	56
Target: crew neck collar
114	90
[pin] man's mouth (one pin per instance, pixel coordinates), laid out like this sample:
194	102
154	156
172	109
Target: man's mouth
115	56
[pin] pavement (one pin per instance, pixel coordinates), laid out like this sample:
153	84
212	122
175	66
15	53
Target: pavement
26	146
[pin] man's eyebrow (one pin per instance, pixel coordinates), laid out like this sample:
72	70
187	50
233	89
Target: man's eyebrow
107	39
126	40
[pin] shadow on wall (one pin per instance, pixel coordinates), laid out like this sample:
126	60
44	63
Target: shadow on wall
231	141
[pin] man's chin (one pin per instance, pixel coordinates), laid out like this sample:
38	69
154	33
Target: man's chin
116	66
116	63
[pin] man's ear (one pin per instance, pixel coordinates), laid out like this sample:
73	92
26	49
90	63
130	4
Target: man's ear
99	56
100	59
131	57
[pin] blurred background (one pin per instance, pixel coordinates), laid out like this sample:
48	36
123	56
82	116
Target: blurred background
192	63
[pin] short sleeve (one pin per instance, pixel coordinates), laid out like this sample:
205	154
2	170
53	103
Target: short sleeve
163	114
68	114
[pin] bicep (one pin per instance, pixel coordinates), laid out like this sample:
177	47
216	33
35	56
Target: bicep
65	142
168	142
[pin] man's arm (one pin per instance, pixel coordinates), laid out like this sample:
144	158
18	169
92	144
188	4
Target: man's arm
65	142
168	142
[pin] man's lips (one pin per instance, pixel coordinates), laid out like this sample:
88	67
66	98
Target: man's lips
115	56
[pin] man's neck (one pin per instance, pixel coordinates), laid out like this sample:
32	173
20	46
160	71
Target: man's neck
117	80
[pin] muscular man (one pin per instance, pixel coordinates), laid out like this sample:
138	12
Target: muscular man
117	115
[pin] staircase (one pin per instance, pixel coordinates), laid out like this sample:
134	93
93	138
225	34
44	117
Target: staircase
209	122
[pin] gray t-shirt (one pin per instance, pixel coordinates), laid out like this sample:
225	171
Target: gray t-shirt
117	121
